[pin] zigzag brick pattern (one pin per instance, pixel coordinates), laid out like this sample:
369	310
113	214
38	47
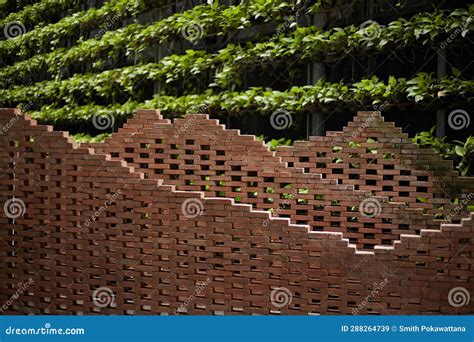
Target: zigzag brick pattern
198	154
92	223
375	156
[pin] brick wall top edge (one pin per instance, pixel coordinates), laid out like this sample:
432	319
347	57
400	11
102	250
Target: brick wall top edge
50	128
190	194
283	166
10	110
195	194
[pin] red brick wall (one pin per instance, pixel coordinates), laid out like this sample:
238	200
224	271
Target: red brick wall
154	257
388	165
195	153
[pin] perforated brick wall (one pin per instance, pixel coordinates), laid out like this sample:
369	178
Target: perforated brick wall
198	154
92	223
374	155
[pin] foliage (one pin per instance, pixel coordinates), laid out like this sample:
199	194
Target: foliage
10	6
41	12
86	138
135	38
462	153
321	96
274	143
224	68
310	43
110	83
47	38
